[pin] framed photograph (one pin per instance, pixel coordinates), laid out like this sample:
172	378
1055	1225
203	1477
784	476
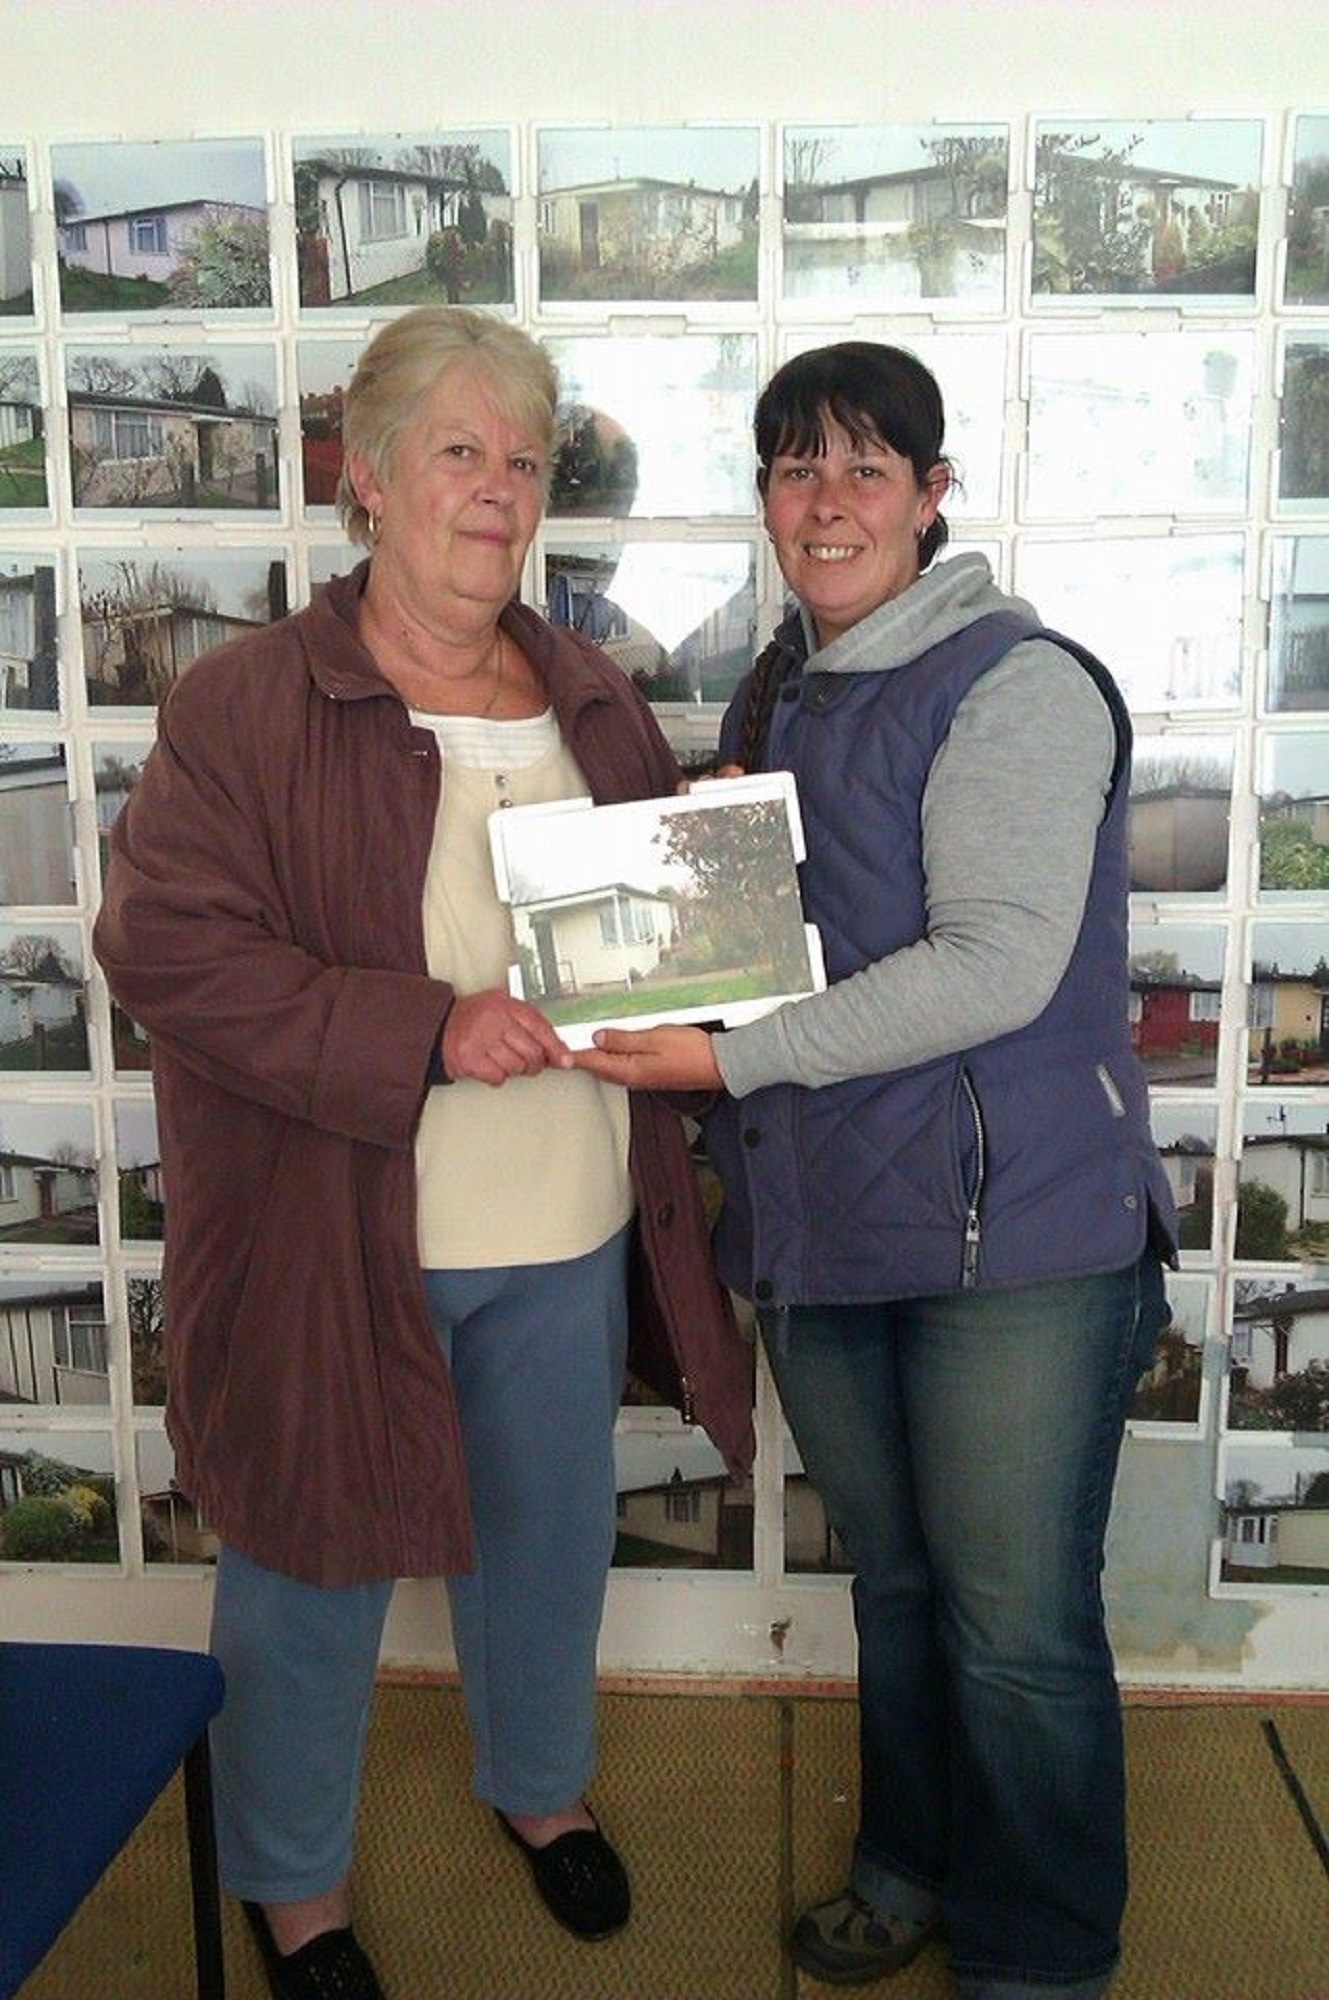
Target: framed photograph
655	424
398	219
1303	424
888	217
53	1342
43	1000
16	301
1283	1181
74	1468
324	369
1287	1016
1186	1135
173	432
142	1197
37	862
48	1174
115	772
173	1528
678	1507
163	227
147	614
677	909
1176	986
679	617
1306	269
1293	782
1298	676
1274	1541
29	653
1278	1358
1169	1400
1162	612
649	214
1153	209
1139	423
23	486
1180	820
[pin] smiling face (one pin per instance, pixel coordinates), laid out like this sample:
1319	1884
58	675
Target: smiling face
457	504
845	521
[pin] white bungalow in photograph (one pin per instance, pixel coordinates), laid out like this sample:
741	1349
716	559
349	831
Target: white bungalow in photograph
37	1191
615	222
1296	1166
53	1345
36	865
606	937
1280	1534
375	223
146	242
28	670
143	450
35	1002
15	233
1280	1335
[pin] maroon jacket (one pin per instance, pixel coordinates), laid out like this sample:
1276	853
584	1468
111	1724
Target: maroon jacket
263	921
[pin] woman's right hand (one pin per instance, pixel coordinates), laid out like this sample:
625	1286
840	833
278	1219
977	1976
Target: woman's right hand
491	1036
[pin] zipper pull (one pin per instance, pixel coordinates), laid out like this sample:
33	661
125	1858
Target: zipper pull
686	1411
972	1232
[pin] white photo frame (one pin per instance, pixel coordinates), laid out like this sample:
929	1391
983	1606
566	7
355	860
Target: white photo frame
679	909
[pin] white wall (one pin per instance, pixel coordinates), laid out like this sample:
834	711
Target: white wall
141	69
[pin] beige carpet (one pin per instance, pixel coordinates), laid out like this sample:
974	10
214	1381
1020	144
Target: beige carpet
733	1809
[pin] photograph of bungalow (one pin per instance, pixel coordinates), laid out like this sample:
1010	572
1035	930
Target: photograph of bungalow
680	907
1275	1525
895	215
58	1509
1299	624
29	669
323	368
678	1508
1186	1136
1278	1358
1130	424
1294	813
1283	1181
36	833
1153	209
391	220
52	1342
679	617
1180	814
115	770
43	1000
139	1170
1163	612
173	431
648	214
156	227
15	233
1306	277
22	432
148	615
1288	1015
48	1174
1176	990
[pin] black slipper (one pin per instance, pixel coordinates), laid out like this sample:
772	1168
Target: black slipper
581	1879
332	1966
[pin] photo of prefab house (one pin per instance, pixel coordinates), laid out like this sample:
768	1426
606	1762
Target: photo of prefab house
167	227
1283	1181
29	655
1288	1005
43	1000
174	432
15	233
1306	273
48	1174
22	432
399	221
147	614
1275	1518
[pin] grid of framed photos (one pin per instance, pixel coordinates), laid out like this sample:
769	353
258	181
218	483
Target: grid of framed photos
1130	324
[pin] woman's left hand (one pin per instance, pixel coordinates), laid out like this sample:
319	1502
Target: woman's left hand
652	1058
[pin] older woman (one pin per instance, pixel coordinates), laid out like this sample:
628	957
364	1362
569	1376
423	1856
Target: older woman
400	1220
940	1187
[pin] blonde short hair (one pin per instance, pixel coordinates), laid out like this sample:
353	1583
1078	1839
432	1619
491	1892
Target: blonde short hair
401	365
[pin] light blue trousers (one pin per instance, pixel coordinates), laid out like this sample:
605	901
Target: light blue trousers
537	1356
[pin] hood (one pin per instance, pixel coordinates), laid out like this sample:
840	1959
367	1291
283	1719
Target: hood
944	600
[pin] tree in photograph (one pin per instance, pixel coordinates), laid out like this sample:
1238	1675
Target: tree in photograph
125	653
1303	427
1308	232
1088	234
1290	855
1261	1224
147	1350
35	956
224	263
739	860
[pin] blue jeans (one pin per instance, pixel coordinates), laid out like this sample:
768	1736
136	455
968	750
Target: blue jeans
965	1449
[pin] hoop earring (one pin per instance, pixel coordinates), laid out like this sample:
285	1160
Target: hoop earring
373	527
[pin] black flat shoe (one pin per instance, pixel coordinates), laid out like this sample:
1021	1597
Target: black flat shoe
581	1880
331	1966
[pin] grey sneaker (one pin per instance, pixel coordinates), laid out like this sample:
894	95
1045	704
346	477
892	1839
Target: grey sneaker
845	1943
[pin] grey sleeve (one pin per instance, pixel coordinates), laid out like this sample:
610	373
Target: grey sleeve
1010	815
